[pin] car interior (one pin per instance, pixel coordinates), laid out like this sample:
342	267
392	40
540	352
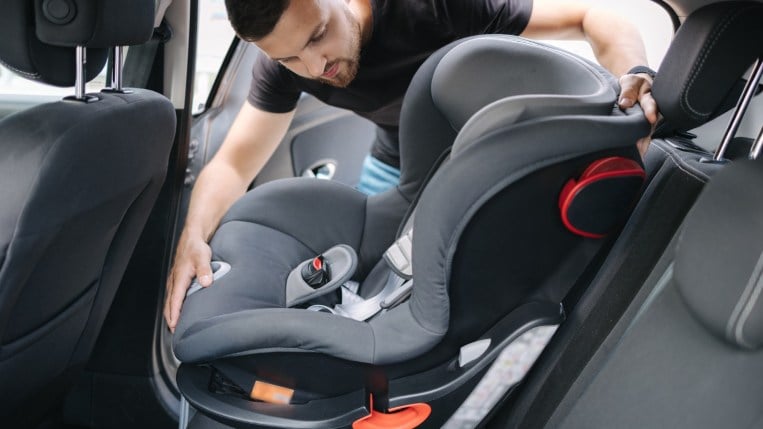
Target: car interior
532	268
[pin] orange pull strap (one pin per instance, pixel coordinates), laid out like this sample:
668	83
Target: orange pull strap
271	393
404	417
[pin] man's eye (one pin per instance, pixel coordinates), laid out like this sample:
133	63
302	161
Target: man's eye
319	36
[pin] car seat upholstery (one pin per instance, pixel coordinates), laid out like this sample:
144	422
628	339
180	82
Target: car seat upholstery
80	177
712	51
687	352
481	220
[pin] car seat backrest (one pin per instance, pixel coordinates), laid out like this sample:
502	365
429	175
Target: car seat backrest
687	352
79	179
719	260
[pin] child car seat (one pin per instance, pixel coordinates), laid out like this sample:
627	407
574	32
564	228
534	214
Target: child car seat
476	251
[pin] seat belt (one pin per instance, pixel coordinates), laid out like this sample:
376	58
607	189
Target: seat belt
139	60
396	290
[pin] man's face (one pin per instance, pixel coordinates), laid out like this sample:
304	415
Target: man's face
316	39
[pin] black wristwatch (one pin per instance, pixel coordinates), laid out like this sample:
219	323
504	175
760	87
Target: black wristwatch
643	69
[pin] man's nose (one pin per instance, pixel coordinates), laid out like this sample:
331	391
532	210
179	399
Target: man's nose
315	63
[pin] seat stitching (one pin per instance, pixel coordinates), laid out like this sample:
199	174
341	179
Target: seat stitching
696	175
751	301
735	322
703	57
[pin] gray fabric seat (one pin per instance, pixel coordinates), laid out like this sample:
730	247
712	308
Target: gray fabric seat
482	216
79	180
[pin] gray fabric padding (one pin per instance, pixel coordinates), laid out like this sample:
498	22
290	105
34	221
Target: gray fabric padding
517	68
83	146
318	213
275	328
384	212
709	54
512	110
79	181
399	336
501	158
729	217
668	372
257	278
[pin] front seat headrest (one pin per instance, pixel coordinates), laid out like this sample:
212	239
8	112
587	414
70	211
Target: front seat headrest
38	37
709	54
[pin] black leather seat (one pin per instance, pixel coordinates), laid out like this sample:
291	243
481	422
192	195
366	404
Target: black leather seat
79	178
698	80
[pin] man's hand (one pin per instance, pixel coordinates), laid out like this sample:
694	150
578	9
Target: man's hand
193	259
637	88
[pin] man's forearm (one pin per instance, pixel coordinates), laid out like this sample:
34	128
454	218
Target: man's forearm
616	43
216	189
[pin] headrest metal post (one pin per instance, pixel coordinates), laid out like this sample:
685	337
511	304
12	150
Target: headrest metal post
757	146
116	72
741	108
80	80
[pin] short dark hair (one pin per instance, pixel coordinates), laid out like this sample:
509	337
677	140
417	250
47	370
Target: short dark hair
254	19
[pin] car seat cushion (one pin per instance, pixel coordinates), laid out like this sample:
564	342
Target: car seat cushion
733	312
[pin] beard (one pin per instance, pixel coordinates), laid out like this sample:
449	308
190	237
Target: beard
348	67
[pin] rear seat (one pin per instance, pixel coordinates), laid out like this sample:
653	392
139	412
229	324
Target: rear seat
702	54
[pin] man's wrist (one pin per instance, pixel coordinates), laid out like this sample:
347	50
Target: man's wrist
642	70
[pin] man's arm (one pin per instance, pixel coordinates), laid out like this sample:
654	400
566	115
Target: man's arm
251	141
615	42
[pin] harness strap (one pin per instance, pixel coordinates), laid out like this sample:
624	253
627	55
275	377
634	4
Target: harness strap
396	290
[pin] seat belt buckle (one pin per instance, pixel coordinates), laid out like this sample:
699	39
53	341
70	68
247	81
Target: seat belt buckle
399	255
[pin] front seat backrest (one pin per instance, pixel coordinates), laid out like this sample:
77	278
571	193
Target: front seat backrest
79	179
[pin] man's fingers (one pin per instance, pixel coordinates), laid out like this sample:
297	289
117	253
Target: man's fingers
630	87
204	272
649	106
177	295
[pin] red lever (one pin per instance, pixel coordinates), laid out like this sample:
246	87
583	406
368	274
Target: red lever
403	417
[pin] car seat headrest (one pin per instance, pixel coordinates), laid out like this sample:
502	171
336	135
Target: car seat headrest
37	38
483	83
710	53
94	23
719	263
521	68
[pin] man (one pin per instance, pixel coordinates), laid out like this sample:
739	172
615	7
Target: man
361	55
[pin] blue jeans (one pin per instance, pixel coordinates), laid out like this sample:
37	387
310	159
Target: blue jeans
377	177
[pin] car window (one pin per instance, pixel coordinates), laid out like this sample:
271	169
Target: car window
652	21
214	37
14	86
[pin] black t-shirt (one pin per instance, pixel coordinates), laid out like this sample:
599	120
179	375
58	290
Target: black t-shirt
405	33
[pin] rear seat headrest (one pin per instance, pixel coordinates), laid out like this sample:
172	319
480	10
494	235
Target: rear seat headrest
710	53
37	38
94	23
719	263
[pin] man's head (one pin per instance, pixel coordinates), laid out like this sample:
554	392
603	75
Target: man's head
316	39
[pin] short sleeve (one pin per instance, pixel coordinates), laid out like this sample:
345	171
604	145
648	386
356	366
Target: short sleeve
473	17
273	88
